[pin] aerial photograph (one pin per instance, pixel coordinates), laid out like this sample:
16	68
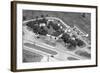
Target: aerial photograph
53	36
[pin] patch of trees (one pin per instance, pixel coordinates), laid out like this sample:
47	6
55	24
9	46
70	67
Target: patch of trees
79	42
72	43
30	24
42	31
37	29
43	20
54	25
34	27
57	28
66	38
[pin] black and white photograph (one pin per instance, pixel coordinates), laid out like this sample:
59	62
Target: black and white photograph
50	36
53	36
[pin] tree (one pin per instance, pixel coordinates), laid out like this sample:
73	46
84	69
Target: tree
44	20
79	42
73	43
71	47
31	24
54	25
42	31
66	38
36	29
